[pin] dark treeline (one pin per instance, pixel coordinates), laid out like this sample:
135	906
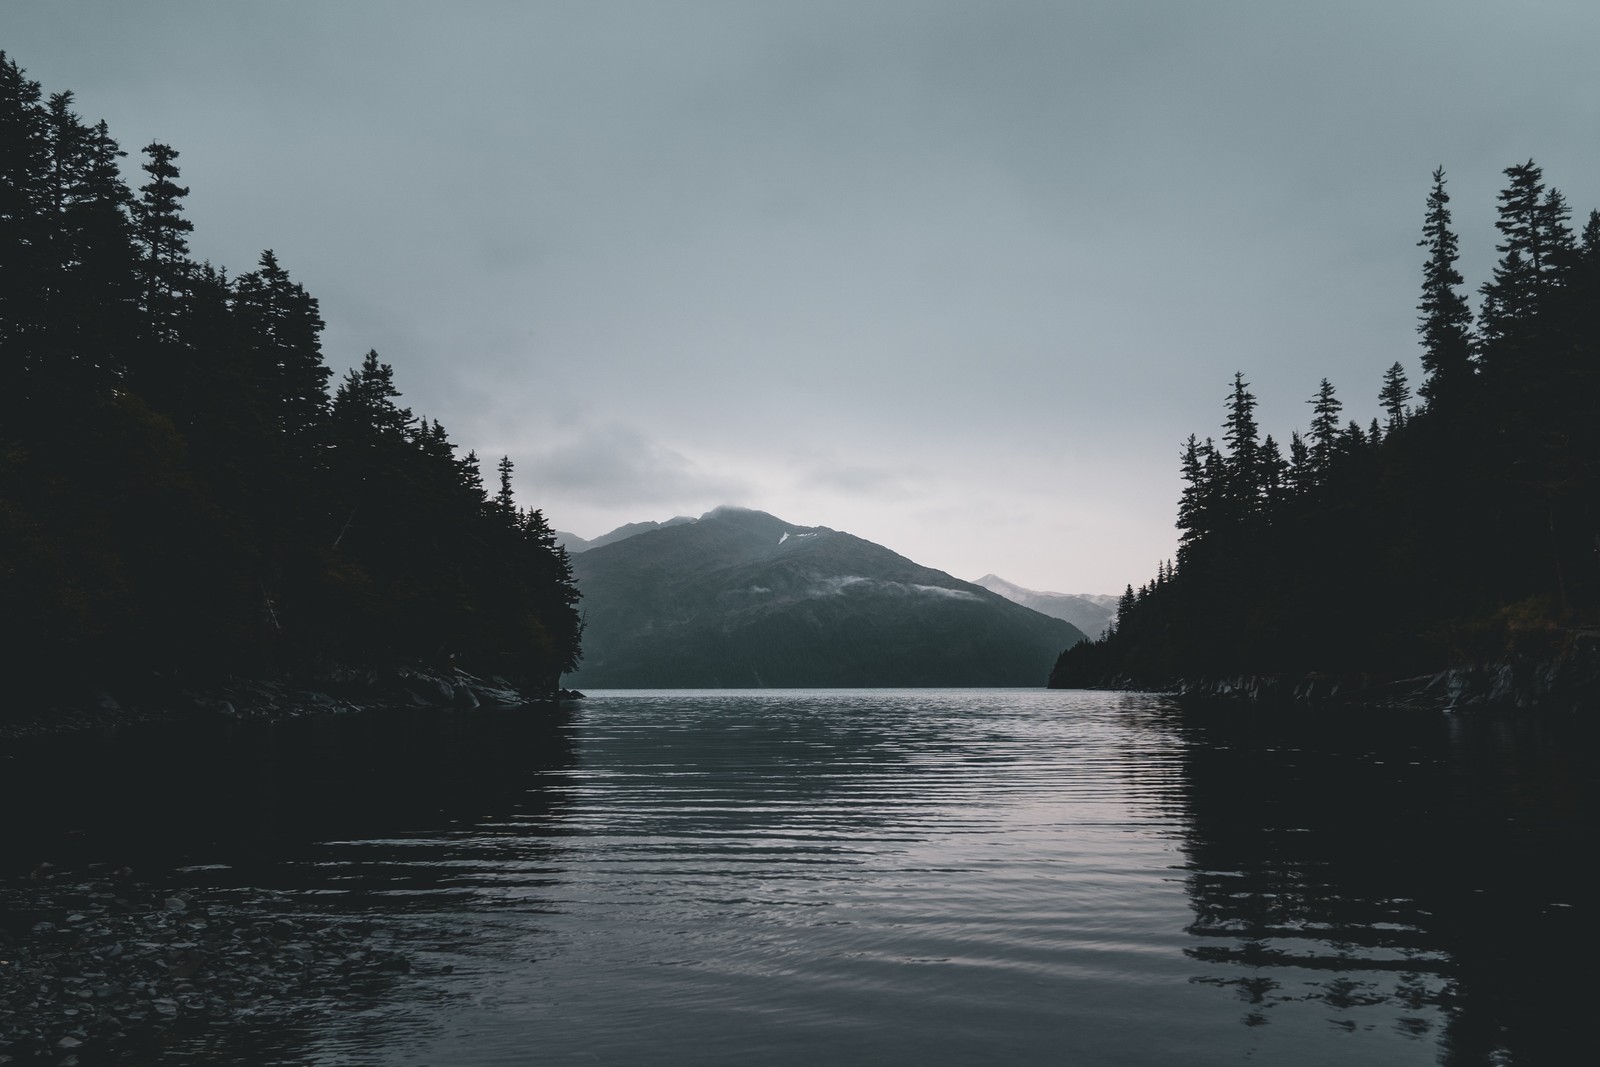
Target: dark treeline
181	496
1461	528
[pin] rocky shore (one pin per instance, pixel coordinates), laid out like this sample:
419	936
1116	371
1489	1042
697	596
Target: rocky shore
1567	683
101	967
69	709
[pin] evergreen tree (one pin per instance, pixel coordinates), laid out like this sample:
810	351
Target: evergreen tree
1324	433
1125	607
1274	471
1394	395
1446	319
1301	476
93	265
365	402
1246	479
504	502
161	230
1590	246
470	475
282	329
1196	503
1536	246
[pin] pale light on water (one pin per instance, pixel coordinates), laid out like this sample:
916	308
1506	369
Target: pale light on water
929	876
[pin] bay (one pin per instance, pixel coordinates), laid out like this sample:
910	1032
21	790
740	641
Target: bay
885	876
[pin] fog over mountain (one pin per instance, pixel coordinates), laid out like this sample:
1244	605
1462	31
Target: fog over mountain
740	598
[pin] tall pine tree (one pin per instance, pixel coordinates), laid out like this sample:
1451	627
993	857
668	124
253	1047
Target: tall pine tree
1446	318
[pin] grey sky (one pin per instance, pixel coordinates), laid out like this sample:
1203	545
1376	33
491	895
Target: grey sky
955	277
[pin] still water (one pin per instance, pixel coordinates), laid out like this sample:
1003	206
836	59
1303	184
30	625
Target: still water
898	877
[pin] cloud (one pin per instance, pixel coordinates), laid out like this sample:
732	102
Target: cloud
956	277
836	586
859	479
611	463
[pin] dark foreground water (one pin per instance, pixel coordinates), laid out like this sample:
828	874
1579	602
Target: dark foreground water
883	877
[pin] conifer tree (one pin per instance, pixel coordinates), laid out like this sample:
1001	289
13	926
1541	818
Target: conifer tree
282	329
1125	606
1195	503
1446	318
365	402
1536	246
1300	471
93	265
470	473
1324	433
1274	471
1394	394
161	229
504	502
1244	447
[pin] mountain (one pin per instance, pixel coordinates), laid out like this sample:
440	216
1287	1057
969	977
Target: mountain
571	542
575	544
739	598
1089	612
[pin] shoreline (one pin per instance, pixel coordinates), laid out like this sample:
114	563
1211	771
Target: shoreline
1568	683
91	708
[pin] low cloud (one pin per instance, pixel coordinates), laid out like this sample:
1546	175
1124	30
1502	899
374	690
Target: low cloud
943	593
837	585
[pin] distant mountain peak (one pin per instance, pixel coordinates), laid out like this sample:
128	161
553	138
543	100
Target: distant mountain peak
1089	612
722	511
574	544
741	597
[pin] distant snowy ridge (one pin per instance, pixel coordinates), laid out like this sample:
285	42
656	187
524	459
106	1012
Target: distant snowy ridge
1089	612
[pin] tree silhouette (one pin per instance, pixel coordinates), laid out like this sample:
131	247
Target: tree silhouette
179	498
1394	396
1446	318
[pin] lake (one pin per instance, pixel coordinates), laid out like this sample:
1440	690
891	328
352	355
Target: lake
883	876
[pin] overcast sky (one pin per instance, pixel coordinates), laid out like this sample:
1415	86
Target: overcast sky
957	277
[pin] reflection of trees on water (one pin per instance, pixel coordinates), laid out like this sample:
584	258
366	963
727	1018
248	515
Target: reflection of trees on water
1413	872
318	838
247	803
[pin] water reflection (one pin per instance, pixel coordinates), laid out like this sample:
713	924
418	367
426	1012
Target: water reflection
1404	871
252	795
350	825
884	876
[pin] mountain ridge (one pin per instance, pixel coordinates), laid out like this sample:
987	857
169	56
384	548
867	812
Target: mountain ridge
1090	612
741	598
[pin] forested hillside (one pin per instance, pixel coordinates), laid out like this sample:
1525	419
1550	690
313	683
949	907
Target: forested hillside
1464	527
181	495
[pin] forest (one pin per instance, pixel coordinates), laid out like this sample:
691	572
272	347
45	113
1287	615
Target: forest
1461	529
187	493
